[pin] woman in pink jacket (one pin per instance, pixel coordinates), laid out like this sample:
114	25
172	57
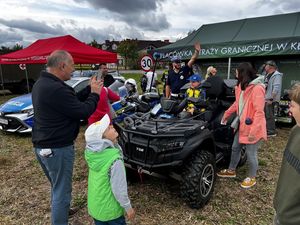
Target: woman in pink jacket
249	105
103	106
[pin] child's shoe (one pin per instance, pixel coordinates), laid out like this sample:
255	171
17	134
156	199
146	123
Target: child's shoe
226	173
248	182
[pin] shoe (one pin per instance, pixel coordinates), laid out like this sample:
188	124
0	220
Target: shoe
248	182
272	134
72	212
226	173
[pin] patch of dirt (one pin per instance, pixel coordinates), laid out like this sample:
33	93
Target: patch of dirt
25	191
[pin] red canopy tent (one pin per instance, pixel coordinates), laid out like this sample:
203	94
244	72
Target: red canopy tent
37	52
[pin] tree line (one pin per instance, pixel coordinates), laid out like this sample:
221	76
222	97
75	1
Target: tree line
5	50
128	49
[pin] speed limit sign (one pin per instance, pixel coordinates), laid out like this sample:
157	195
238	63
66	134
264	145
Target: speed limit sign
146	63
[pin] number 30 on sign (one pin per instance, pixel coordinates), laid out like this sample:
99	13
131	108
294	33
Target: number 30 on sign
146	63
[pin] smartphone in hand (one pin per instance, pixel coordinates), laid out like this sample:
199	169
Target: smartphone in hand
99	75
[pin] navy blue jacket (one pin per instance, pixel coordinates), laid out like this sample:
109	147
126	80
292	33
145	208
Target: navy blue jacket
58	111
177	80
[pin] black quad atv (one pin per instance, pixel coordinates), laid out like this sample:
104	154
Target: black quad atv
282	111
186	149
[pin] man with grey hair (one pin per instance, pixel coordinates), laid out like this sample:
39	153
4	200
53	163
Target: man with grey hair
57	114
273	82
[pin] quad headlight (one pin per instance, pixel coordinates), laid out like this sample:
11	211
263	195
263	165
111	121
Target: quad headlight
171	145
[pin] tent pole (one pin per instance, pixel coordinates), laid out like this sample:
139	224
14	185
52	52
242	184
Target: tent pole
2	80
229	67
26	74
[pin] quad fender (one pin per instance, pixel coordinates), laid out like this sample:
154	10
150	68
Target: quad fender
203	141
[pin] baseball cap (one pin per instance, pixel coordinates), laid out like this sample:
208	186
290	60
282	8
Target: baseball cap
176	59
195	77
271	63
95	131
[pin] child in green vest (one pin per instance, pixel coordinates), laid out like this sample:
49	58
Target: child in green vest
107	187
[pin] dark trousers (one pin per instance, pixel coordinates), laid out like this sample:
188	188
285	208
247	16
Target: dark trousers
270	119
118	221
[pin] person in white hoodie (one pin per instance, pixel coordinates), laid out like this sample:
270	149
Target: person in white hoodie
107	186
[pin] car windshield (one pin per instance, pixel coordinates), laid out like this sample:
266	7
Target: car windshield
71	82
84	73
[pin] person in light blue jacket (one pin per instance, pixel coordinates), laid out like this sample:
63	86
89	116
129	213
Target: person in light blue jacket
273	82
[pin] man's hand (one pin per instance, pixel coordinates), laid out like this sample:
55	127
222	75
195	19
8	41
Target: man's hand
195	55
168	91
223	121
197	46
191	110
96	85
130	213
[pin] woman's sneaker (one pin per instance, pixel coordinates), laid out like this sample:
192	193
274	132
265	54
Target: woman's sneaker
226	173
248	182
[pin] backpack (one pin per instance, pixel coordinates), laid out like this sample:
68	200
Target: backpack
144	81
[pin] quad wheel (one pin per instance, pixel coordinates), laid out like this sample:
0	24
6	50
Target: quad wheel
198	179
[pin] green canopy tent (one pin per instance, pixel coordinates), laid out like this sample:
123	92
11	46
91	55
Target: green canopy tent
261	36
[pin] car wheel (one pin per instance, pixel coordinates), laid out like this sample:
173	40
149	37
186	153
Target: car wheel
198	179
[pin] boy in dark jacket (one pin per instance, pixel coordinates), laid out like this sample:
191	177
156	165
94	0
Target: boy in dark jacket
286	200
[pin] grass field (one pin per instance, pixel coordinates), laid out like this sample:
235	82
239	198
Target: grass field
24	190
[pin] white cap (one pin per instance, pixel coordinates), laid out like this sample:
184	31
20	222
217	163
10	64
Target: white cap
95	131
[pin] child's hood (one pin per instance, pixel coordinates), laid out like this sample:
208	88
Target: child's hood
94	160
99	145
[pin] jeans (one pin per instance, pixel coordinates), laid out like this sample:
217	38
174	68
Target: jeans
118	221
58	168
251	151
270	119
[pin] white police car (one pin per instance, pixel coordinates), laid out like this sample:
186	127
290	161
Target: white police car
88	73
16	115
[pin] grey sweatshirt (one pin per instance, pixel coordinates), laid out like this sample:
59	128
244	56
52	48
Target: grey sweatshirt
274	87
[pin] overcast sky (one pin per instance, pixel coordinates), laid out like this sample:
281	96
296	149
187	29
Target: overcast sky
25	21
